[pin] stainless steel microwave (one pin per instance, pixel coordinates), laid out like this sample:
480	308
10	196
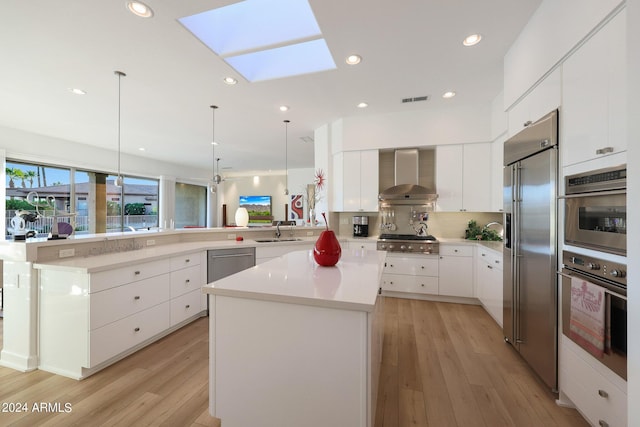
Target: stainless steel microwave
596	210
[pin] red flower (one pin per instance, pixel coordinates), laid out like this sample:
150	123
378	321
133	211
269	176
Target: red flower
320	179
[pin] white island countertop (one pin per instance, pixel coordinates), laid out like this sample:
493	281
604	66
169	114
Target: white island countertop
352	283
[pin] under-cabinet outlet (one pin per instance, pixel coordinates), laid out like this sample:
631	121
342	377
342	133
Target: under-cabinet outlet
151	242
64	253
231	236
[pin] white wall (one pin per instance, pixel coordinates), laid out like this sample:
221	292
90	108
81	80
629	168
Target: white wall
230	190
633	200
417	128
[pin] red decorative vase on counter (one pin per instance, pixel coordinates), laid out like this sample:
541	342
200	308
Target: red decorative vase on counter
327	250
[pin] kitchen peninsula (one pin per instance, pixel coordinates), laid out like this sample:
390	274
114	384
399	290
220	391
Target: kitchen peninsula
294	343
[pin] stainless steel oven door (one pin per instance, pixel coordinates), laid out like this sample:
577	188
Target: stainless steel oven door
597	221
616	321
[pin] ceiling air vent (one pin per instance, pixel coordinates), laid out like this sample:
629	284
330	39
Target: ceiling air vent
415	99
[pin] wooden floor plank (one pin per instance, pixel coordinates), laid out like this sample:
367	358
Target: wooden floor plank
429	351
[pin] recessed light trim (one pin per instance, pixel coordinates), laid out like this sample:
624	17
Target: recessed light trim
139	9
230	80
353	59
362	105
214	143
448	95
284	108
472	39
76	91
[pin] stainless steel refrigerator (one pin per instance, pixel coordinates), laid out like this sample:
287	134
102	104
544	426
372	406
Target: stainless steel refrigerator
530	246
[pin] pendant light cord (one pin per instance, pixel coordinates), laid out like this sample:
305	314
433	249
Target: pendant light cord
213	143
120	75
286	157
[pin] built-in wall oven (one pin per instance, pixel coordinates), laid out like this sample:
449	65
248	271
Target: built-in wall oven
596	210
594	308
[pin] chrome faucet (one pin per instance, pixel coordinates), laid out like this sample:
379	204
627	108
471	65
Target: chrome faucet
278	233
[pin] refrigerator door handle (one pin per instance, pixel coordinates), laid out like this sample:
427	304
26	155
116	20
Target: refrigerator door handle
516	191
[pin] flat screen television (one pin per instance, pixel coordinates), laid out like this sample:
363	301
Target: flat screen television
259	208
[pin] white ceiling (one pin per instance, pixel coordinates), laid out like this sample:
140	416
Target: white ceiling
409	48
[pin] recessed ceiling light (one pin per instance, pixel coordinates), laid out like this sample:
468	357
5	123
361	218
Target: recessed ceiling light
230	80
76	91
363	105
141	149
353	59
471	40
139	9
214	143
284	108
449	94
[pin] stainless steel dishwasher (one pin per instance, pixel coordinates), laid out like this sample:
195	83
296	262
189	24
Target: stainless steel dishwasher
225	262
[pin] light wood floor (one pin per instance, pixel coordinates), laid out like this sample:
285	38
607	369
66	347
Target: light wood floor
443	365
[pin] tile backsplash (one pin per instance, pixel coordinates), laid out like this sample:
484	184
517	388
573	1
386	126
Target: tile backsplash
441	224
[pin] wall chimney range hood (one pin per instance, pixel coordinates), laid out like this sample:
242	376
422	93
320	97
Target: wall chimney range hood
406	189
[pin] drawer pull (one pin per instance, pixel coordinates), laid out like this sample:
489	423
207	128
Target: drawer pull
483	254
490	267
422	284
187	306
391	283
604	150
603	423
137	297
603	393
137	329
137	273
422	267
187	281
187	260
455	250
497	261
390	265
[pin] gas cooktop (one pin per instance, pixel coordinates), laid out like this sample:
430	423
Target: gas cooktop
407	237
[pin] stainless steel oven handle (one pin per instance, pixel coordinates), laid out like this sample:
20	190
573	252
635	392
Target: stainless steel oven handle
593	194
595	281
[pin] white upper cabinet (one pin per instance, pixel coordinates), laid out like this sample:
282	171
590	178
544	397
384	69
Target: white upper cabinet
497	175
463	177
543	99
356	181
593	119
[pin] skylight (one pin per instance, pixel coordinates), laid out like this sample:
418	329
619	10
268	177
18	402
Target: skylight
264	40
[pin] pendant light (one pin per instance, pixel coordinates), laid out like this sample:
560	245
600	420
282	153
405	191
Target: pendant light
214	177
286	152
119	179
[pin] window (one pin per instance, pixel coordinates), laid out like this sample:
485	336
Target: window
87	200
191	205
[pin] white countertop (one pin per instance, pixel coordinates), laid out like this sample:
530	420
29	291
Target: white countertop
352	283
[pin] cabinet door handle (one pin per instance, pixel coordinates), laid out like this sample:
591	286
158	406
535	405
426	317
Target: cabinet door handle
136	273
422	267
603	423
604	150
497	261
422	284
527	123
137	329
483	254
603	393
490	267
137	297
187	260
187	306
455	250
187	281
390	265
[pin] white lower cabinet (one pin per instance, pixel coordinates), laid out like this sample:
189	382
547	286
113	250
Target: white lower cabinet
413	273
89	320
600	399
489	281
456	270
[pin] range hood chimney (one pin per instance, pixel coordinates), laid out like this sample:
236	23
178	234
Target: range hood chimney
406	189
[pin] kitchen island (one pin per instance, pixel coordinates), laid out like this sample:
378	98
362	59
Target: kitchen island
296	344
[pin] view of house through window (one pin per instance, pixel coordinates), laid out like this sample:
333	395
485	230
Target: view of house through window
45	197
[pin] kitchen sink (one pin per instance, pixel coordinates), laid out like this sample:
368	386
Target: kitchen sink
276	240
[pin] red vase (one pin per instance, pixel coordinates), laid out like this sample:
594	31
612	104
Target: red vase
327	250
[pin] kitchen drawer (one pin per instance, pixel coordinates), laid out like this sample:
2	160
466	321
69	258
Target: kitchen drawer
456	250
186	305
414	284
184	261
596	398
119	276
490	257
122	301
186	280
421	265
117	337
